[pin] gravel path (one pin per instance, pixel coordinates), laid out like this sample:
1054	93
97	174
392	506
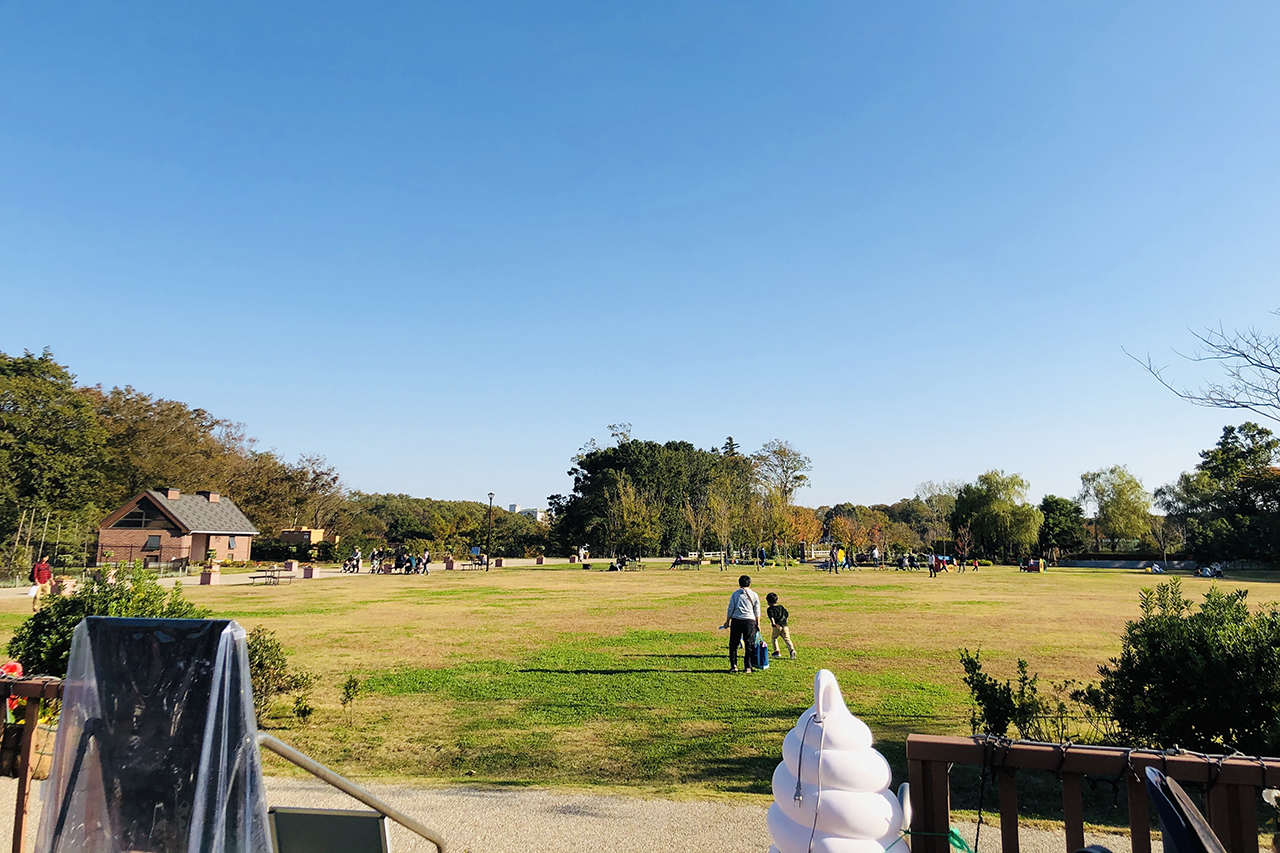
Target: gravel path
476	820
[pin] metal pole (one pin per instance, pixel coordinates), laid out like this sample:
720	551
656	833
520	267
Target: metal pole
44	532
318	770
17	537
488	548
31	526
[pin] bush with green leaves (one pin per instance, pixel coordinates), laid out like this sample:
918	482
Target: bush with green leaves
997	704
271	675
1204	678
42	644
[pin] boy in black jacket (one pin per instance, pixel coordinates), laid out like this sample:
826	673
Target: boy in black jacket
778	619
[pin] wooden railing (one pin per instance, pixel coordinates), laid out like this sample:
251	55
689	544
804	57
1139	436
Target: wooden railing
35	691
1231	786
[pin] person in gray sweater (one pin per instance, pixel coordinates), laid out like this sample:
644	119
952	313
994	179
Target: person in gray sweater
743	622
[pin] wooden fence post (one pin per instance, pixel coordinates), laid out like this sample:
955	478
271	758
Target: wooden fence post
26	767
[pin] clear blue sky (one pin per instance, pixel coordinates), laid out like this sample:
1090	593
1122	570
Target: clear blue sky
445	244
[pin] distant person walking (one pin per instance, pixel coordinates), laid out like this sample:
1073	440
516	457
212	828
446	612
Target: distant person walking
42	578
743	622
763	555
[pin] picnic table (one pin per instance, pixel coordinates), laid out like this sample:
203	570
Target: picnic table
272	576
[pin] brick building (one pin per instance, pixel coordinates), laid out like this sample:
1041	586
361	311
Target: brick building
166	526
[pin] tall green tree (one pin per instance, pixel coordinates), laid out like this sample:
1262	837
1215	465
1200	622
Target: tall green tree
665	476
783	468
153	442
630	524
1063	528
994	511
1228	508
1122	505
52	447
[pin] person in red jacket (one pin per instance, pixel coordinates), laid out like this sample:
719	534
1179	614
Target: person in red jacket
42	577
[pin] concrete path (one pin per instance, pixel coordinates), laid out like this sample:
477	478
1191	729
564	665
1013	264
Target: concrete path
476	820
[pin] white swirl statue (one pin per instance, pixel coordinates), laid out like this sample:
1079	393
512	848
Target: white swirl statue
831	791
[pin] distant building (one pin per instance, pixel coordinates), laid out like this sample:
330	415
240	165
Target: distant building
166	526
515	507
538	515
309	535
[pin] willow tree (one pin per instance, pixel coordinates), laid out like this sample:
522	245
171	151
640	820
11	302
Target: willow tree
994	508
1122	506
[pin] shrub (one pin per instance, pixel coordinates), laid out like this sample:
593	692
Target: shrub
998	704
985	563
1205	678
42	644
350	690
270	674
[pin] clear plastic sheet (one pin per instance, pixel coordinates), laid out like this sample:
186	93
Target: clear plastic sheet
156	747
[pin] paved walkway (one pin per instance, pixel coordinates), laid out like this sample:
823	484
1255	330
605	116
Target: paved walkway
476	820
240	577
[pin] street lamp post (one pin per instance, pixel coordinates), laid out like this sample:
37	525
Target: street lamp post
488	548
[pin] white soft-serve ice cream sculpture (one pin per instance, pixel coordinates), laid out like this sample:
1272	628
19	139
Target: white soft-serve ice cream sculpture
842	802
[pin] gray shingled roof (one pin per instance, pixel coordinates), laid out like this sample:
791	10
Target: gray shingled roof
198	515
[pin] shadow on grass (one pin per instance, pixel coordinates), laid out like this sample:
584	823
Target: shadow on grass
675	656
745	775
622	671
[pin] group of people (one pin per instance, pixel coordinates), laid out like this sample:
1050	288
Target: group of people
839	558
382	561
743	621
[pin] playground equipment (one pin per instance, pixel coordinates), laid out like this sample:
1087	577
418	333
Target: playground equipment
831	791
157	746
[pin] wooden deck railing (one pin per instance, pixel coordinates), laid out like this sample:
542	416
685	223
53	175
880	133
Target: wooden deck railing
35	691
1231	785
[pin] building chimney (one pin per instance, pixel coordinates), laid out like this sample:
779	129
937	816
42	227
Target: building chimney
211	497
172	494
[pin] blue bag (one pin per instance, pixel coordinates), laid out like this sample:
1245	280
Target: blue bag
760	659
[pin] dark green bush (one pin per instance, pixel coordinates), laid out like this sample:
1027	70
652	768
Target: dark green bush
997	705
42	644
1205	678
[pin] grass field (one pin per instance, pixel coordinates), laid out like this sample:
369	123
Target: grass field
561	676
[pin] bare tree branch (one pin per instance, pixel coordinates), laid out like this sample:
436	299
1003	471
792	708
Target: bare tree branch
1251	362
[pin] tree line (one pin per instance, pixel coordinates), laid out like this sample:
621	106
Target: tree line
639	497
643	497
69	454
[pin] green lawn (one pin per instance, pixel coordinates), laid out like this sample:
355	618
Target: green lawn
555	675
